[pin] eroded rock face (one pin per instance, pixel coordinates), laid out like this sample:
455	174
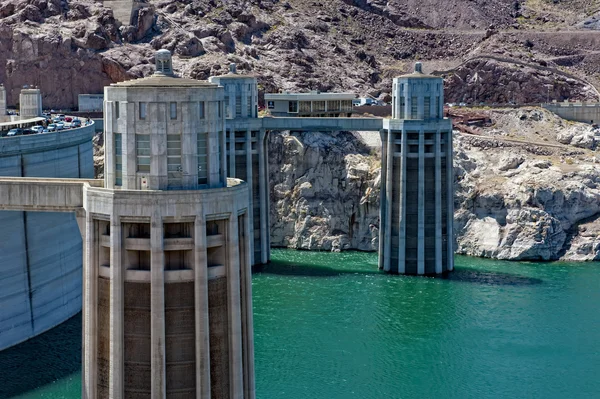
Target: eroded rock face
517	197
324	191
516	202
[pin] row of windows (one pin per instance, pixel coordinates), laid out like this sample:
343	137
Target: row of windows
428	86
316	106
143	152
118	159
428	111
238	106
238	86
143	110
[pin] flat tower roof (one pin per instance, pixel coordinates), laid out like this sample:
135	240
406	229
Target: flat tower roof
164	81
310	96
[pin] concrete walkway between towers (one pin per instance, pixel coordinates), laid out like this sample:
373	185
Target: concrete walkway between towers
43	195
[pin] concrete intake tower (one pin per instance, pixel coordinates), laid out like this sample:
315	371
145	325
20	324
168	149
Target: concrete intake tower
167	284
416	215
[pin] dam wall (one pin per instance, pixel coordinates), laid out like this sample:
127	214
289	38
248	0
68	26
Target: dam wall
41	252
580	112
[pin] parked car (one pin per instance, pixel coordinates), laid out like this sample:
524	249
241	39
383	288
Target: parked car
61	117
37	129
15	132
60	126
68	119
56	119
52	127
76	123
68	125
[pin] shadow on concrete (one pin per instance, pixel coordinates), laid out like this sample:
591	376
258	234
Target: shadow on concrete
39	361
490	278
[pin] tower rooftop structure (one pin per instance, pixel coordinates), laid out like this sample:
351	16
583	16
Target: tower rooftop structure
418	73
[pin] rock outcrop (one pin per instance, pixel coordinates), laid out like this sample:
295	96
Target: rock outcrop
324	192
527	197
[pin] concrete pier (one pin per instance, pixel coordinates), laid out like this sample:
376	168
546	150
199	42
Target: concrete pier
30	103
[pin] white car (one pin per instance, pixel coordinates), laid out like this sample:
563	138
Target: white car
52	127
37	129
60	126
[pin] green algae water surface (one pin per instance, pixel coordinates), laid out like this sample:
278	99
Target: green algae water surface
329	325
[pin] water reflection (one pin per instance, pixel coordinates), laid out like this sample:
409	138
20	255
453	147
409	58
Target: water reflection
491	278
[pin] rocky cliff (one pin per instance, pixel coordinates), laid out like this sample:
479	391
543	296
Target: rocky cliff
527	188
522	195
488	51
324	192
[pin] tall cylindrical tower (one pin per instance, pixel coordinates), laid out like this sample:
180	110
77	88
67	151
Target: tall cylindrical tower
167	294
30	103
246	148
416	217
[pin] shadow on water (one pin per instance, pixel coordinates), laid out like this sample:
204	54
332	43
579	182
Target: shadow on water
290	268
51	356
490	278
464	275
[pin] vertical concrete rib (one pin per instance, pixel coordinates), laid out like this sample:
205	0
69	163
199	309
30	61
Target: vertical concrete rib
117	364
90	311
450	197
157	307
383	199
438	203
249	168
235	314
267	196
421	205
201	309
389	187
264	195
402	204
231	153
223	155
246	273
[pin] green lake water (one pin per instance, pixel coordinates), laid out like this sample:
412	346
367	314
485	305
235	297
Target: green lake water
330	325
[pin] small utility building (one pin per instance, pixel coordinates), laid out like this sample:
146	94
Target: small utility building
313	104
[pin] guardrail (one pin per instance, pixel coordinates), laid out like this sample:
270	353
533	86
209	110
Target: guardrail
43	195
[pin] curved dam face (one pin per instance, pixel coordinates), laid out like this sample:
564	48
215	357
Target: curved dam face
41	252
